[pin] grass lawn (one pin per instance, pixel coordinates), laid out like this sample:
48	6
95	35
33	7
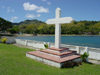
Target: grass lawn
14	62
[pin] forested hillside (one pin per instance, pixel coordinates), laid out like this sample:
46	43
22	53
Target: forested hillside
4	25
39	27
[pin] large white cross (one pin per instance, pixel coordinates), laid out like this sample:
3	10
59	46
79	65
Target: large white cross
58	21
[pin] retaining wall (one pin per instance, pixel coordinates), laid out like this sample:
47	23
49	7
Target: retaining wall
94	53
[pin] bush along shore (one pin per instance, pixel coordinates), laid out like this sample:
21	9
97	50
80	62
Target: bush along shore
7	40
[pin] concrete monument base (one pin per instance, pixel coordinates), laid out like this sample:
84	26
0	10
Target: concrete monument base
56	57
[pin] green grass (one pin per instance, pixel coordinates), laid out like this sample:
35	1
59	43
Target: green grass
14	62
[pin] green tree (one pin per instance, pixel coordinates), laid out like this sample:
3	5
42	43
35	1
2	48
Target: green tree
43	29
4	25
14	29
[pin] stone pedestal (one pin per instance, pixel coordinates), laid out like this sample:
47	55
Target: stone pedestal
56	57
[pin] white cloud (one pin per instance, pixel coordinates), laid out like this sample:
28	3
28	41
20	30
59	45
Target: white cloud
38	15
43	10
9	10
28	6
44	0
32	7
13	18
3	7
32	16
49	3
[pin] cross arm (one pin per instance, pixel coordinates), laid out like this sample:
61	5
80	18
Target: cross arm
51	21
60	20
64	20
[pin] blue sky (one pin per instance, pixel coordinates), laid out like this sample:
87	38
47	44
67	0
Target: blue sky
19	10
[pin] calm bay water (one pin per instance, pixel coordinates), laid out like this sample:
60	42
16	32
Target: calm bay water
90	41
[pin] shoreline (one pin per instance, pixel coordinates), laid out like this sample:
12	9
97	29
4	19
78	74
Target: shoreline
75	37
23	35
69	35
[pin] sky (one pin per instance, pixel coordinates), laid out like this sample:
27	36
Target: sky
20	10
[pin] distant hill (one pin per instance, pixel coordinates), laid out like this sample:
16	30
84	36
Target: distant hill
28	22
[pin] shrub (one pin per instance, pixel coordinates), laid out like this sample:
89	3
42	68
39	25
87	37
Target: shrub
3	40
41	48
46	45
84	57
0	41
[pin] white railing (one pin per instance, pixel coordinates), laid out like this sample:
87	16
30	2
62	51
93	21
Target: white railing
94	53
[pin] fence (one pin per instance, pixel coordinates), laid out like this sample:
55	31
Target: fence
94	53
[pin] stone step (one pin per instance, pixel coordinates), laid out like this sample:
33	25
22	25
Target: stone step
53	58
61	50
64	54
56	49
58	54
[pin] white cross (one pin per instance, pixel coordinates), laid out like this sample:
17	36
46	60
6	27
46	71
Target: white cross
58	21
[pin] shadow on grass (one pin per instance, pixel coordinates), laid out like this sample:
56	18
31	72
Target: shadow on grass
72	65
88	62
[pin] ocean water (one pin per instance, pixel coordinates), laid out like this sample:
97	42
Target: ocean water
89	41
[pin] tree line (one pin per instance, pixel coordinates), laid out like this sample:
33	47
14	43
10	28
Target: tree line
75	27
4	25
